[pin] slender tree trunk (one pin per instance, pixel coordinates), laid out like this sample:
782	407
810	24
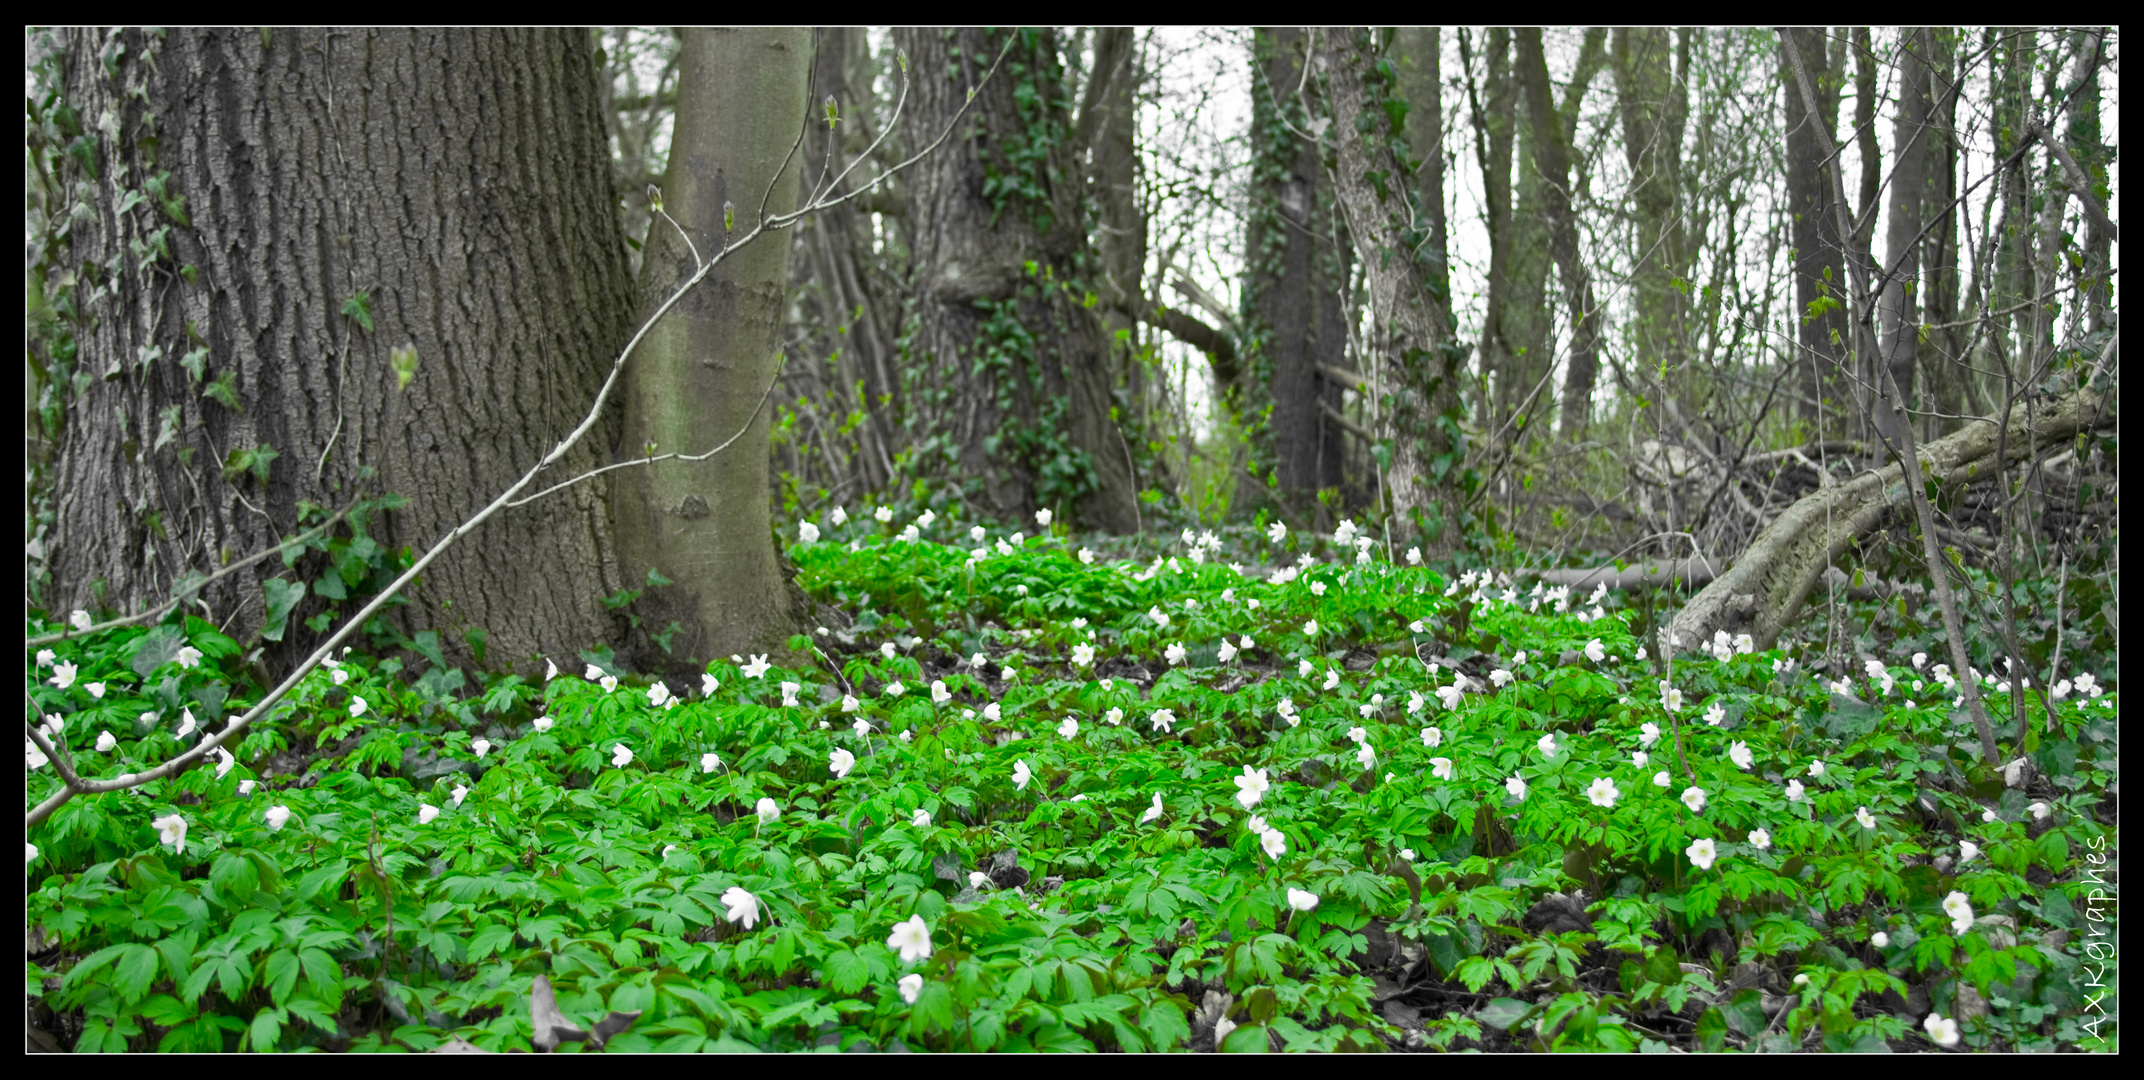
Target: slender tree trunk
1419	51
1942	361
2088	144
2011	282
1866	350
1016	360
1417	381
702	370
459	181
1902	242
1552	160
1653	106
1819	254
1292	287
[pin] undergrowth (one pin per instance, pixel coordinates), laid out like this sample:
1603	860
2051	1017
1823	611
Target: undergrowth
1029	802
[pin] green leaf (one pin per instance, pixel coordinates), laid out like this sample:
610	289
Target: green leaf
224	391
404	363
282	597
359	307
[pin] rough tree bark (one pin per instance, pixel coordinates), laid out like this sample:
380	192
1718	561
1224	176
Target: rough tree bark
850	305
1765	589
460	180
701	373
1019	396
1417	373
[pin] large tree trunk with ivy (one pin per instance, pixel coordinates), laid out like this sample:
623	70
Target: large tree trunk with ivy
1418	365
262	219
704	370
1008	356
1298	265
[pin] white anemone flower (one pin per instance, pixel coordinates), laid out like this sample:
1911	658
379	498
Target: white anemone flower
912	939
1153	813
1702	852
741	907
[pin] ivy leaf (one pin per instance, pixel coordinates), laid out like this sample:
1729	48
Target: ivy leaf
359	307
282	597
224	391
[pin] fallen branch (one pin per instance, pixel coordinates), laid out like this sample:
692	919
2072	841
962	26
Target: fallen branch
1764	591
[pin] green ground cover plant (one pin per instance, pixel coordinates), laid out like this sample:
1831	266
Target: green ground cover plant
1295	793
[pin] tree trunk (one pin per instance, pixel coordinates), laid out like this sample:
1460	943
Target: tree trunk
1902	241
1420	62
1015	360
1552	159
1943	361
1294	280
1653	106
1819	254
1866	350
459	181
849	305
701	372
1515	319
1415	365
2092	152
1765	589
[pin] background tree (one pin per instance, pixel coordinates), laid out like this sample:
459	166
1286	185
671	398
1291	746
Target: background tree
1008	350
1416	381
1297	259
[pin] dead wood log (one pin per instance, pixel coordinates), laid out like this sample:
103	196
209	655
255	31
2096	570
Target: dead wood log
1764	590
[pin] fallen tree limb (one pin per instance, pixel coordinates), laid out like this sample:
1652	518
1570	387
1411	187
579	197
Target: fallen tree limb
1691	571
1766	588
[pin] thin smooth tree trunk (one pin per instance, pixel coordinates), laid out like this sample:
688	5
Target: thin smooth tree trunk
1819	252
704	368
1902	241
